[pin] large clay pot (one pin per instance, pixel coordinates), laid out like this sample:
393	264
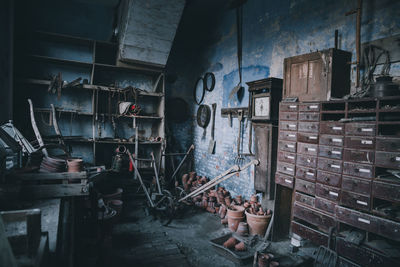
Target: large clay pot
236	211
257	223
233	222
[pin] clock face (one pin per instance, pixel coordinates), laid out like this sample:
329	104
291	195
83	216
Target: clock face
261	106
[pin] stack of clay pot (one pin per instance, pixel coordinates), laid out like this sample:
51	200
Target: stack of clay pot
233	243
257	218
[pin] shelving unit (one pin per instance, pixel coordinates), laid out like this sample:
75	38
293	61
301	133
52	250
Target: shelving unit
89	109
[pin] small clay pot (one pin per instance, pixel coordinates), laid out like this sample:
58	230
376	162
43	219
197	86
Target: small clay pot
240	247
185	178
192	175
210	209
233	222
224	221
228	200
263	260
238	199
242	229
222	211
212	199
230	243
273	264
246	205
254	198
216	209
116	204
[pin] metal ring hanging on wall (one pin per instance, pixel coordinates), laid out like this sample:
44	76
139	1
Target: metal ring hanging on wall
211	76
197	90
203	116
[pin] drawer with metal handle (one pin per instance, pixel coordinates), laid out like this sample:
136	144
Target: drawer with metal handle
360	156
314	217
359	142
287	146
327	192
356	201
309	107
287	157
306	161
364	129
308	116
288	116
285	180
285	168
328	178
325	205
307	149
331	140
330	165
356	185
388	144
359	170
288	107
388	159
305	186
309	127
306	173
288	125
288	136
386	191
304	199
335	128
330	152
308	138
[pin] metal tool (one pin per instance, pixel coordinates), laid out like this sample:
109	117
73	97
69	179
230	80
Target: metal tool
182	161
239	157
211	145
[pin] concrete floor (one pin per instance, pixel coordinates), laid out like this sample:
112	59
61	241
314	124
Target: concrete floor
190	234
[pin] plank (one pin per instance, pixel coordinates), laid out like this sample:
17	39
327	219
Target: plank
51	176
52	191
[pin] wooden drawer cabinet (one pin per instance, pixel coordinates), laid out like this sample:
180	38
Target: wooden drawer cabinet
388	159
285	168
335	128
331	140
287	136
308	127
287	146
327	192
305	186
388	144
308	116
321	220
311	107
363	129
287	157
288	125
307	149
288	116
356	185
289	107
330	152
306	161
284	180
308	138
330	165
359	170
304	199
360	142
325	205
315	236
306	173
361	156
386	191
352	200
331	179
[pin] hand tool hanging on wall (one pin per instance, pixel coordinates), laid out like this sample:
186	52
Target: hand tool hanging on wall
239	157
211	145
203	117
199	91
238	89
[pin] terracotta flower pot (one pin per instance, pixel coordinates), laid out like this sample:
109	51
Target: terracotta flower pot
233	222
222	211
240	246
238	199
257	223
230	243
236	211
210	209
192	175
243	229
75	165
246	205
185	178
254	198
263	260
116	204
228	200
224	221
273	264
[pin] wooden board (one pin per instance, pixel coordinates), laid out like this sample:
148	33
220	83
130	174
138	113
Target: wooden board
52	191
51	176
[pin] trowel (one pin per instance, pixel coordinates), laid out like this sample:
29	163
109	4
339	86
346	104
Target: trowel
211	145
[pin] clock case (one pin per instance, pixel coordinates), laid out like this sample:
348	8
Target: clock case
268	87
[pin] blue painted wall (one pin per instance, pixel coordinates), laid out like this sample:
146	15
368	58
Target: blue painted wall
272	31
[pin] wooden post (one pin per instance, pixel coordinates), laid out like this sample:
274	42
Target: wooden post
33	230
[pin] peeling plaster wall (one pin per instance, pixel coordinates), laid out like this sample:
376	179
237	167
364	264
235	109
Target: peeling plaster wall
272	31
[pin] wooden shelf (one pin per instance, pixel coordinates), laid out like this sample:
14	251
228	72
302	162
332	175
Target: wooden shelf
90	140
78	112
61	61
132	68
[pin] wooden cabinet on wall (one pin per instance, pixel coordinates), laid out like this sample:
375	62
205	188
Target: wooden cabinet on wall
344	175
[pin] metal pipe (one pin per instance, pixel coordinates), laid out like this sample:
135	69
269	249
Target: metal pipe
156	173
182	161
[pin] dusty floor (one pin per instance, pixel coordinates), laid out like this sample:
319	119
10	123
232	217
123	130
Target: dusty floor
140	240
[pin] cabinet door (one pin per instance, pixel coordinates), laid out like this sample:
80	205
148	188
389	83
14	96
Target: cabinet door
263	180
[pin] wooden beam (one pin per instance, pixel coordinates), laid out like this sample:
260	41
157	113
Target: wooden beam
53	191
51	176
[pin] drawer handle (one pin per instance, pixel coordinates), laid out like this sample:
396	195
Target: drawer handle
333	194
309	173
327	179
313	107
364	170
362	203
336	140
395	159
366	142
288	169
308	160
336	128
290	157
312	137
308	116
310	149
366	129
334	166
290	146
288	181
291	135
364	220
336	152
291	125
287	116
292	106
